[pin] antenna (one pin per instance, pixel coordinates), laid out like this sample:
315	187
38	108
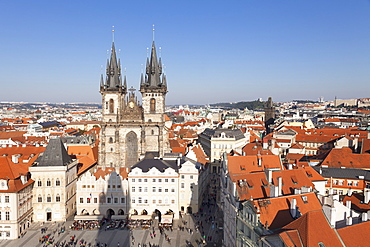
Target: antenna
153	32
160	51
147	52
112	33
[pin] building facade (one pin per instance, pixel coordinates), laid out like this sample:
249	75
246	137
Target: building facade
129	129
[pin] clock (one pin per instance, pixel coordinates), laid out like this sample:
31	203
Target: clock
131	104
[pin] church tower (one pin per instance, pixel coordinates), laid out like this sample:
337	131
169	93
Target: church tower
153	88
128	129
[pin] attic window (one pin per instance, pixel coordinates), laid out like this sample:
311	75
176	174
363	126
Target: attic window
264	182
304	199
294	179
309	174
250	184
242	167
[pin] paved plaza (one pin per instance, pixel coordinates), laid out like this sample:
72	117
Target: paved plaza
202	229
124	237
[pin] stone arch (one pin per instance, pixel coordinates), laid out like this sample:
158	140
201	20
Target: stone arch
131	149
121	212
109	213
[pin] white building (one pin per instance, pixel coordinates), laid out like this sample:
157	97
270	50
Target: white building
55	175
166	185
103	192
15	199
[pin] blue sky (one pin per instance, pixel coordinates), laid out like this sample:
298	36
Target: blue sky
213	51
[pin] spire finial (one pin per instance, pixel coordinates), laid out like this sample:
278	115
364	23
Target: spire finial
147	52
153	32
112	33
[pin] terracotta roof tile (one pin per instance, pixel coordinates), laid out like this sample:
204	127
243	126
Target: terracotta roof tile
355	235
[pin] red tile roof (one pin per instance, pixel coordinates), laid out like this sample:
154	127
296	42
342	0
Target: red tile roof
313	228
247	164
343	157
355	235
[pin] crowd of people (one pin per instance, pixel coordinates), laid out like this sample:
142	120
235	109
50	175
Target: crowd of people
86	224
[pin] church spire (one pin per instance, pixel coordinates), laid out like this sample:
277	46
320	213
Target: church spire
113	73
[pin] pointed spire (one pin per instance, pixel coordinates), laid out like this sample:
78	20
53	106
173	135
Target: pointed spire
124	83
101	81
142	82
113	70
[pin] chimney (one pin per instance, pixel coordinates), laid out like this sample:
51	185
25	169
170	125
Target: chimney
349	192
15	158
290	166
349	221
264	144
293	208
259	159
366	196
274	191
297	191
364	216
280	186
269	176
348	204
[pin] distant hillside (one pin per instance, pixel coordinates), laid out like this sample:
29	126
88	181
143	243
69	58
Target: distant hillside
251	105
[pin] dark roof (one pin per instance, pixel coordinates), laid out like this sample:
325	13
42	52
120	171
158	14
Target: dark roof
345	173
229	133
50	124
55	154
146	164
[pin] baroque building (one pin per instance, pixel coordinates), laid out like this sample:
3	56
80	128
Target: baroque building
129	129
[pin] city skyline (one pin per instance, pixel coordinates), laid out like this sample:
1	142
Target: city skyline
212	51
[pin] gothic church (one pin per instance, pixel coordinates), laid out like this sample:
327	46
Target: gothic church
130	130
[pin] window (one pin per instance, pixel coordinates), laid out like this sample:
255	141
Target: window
140	189
182	176
6	198
173	201
39	183
118	186
159	201
133	200
7	216
109	200
95	200
123	200
191	176
160	180
48	199
145	189
133	180
159	189
48	183
111	106
172	189
166	180
152	105
57	198
133	189
355	183
340	192
57	182
154	201
349	183
172	180
145	200
0	219
115	200
139	200
39	198
110	140
166	190
145	180
153	179
81	200
153	189
88	200
182	185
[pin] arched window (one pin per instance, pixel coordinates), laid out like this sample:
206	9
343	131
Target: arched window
152	132
111	106
39	198
57	182
152	105
48	183
48	199
110	140
39	183
57	198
